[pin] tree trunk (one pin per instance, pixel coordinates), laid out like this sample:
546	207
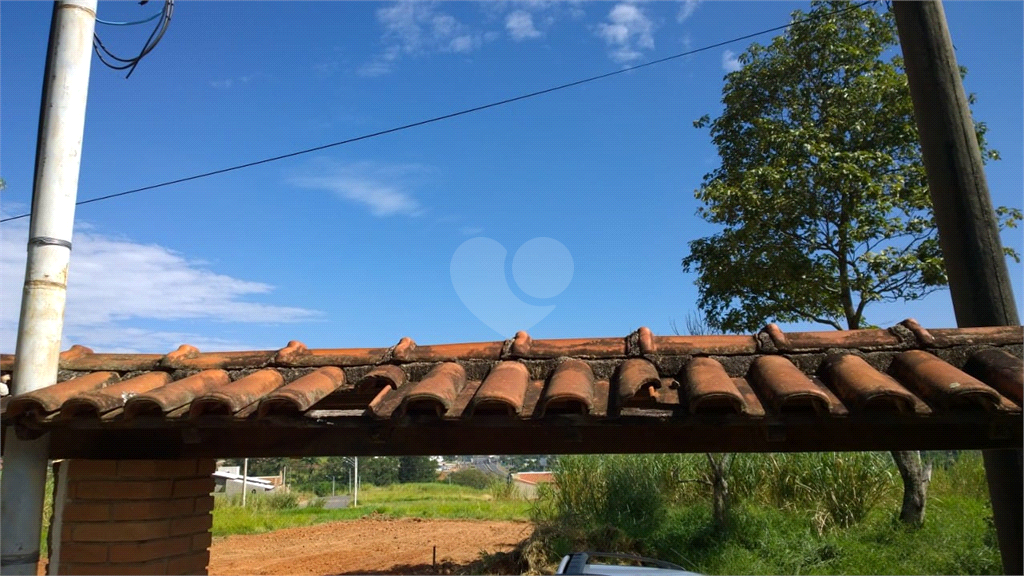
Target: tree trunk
719	489
916	477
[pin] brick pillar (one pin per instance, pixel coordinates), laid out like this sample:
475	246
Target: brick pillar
131	517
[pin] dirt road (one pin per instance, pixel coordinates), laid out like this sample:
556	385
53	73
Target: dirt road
366	546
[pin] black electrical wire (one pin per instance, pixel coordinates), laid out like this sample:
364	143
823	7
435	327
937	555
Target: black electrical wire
455	114
118	63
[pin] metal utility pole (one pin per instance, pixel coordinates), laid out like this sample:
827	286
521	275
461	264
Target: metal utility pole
355	493
979	281
245	477
55	188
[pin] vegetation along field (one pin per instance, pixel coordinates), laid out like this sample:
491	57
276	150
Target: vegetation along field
832	513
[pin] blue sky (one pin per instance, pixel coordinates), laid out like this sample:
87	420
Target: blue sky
354	246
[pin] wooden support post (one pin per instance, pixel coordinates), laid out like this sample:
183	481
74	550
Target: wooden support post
979	281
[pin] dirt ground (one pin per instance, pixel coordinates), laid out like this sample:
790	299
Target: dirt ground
366	546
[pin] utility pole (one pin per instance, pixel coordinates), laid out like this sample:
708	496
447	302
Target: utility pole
245	477
979	281
55	188
355	493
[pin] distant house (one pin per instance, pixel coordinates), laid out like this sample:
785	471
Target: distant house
526	483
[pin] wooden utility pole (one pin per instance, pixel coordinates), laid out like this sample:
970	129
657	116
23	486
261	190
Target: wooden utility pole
979	281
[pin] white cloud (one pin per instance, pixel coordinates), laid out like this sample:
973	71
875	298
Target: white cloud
520	26
627	33
730	63
114	284
229	82
383	188
687	9
415	29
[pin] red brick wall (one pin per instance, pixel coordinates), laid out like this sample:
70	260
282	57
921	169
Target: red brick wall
132	517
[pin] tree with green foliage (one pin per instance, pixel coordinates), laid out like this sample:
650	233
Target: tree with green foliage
416	469
821	192
379	470
821	189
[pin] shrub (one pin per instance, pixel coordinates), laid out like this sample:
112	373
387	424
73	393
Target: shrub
471	477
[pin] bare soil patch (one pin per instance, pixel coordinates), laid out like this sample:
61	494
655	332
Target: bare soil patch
367	546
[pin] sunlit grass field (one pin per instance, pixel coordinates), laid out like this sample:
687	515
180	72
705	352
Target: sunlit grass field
427	500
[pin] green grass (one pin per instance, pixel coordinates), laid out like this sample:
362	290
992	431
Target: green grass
776	524
397	501
769	534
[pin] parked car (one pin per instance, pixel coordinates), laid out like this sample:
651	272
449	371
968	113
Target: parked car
583	563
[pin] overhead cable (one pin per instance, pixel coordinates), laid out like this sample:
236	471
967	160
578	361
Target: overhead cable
459	113
111	60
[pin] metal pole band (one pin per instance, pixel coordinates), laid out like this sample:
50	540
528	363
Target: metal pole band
47	241
14	559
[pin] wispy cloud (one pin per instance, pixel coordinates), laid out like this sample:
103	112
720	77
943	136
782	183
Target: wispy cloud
116	284
687	9
226	83
385	189
730	63
418	28
627	32
520	26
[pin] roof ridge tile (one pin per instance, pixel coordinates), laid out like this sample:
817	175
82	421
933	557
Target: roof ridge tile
76	351
924	338
401	351
175	359
521	344
287	354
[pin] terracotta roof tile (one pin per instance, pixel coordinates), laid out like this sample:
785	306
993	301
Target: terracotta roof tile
234	397
503	390
861	389
789	389
708	388
701	345
437	391
382	377
49	399
637	377
939	383
302	393
99	402
175	395
1001	370
571	389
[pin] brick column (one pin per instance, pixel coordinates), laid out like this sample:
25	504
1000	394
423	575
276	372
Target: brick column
131	517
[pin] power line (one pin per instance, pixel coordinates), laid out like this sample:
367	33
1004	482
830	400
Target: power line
459	113
158	32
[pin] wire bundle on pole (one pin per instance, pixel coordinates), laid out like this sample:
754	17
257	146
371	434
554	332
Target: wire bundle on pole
111	60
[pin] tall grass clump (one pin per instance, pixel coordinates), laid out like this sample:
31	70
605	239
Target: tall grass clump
607	501
503	490
259	502
841	487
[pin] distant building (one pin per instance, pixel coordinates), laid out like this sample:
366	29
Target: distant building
526	483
